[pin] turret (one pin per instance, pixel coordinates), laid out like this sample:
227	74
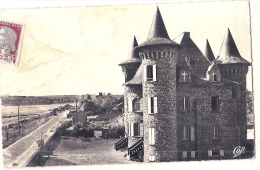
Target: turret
158	54
208	52
131	65
235	68
230	62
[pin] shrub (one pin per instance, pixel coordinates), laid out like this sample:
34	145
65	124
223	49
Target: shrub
116	131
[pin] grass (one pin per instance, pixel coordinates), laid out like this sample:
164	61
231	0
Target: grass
95	151
25	129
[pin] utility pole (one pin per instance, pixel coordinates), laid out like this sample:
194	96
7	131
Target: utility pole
76	110
18	118
19	99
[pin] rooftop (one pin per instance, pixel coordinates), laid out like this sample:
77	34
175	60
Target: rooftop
158	33
208	52
133	56
229	53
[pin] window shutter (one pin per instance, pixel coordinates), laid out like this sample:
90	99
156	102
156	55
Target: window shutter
126	104
188	132
132	129
209	153
155	104
149	105
130	105
154	73
145	73
151	158
141	129
192	153
184	154
221	152
129	129
192	133
151	136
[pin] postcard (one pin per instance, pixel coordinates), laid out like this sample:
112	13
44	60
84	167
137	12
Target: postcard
127	85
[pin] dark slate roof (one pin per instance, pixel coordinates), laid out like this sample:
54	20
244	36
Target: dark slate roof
208	52
229	53
158	33
212	66
133	56
137	79
198	62
203	81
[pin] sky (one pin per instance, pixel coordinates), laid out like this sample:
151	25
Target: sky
76	50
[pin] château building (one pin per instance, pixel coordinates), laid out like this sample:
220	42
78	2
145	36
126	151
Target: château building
181	104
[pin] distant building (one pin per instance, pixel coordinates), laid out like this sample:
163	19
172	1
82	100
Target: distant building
181	104
119	107
100	132
80	117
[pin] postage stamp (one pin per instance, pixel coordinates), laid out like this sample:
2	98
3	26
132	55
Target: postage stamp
128	84
10	41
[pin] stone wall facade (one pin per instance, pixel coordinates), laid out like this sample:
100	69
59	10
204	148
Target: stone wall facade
164	88
201	116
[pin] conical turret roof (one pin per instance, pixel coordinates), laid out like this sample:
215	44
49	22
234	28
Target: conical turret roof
158	33
229	53
133	55
208	52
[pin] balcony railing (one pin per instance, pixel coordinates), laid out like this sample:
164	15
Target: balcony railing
136	148
122	143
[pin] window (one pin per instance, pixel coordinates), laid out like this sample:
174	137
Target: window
185	76
184	154
151	136
215	103
193	154
215	152
136	104
151	158
186	104
215	132
188	132
185	133
214	76
150	73
152	105
187	59
133	129
192	133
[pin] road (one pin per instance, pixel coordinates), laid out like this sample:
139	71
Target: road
22	151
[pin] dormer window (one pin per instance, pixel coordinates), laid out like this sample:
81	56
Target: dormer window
185	76
213	73
214	77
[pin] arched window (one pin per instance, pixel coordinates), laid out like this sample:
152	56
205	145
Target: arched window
136	104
